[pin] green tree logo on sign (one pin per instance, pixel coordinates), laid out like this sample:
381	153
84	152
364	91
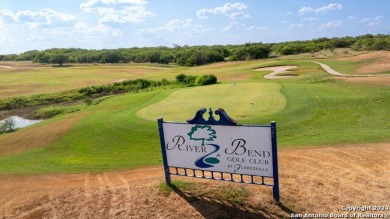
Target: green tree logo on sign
202	133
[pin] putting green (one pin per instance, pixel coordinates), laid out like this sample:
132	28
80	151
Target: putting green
242	101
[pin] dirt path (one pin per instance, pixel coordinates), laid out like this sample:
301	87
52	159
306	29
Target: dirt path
333	72
283	69
313	180
276	70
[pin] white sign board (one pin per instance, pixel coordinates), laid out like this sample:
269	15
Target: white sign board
231	149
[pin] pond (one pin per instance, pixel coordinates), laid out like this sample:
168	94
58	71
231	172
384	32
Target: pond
21	122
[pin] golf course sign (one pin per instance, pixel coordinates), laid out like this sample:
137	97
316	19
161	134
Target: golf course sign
220	150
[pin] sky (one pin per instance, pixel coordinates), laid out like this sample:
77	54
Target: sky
109	24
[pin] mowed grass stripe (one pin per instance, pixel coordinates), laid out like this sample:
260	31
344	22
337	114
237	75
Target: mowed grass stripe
241	101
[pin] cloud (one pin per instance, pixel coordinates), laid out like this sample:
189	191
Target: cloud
331	6
3	31
370	22
118	11
305	10
232	26
310	19
331	25
241	27
80	34
352	18
175	25
257	28
32	19
294	26
231	10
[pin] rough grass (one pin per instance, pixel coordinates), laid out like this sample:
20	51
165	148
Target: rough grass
370	63
229	193
45	79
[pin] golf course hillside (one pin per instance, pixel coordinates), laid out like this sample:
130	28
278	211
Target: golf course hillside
99	155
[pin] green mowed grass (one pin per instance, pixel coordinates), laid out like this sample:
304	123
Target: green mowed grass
333	113
121	132
241	101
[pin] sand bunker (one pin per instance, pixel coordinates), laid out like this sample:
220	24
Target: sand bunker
277	70
3	66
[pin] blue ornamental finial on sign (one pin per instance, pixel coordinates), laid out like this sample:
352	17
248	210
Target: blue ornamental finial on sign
224	119
211	114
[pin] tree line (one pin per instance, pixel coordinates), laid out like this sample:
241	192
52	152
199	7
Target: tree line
199	55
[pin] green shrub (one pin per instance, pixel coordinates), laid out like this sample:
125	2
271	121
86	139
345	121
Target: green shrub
52	111
14	103
200	80
186	79
88	101
121	87
205	80
8	125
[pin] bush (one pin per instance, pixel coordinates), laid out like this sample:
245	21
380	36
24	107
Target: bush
200	80
88	101
52	111
13	103
186	79
121	87
205	80
8	125
180	78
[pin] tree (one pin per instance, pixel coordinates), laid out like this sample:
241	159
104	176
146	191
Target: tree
59	58
202	133
8	125
113	56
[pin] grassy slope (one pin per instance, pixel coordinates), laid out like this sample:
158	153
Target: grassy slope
244	100
108	137
319	110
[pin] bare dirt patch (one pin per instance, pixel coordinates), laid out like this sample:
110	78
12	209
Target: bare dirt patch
366	56
117	81
313	180
277	70
380	62
25	139
19	64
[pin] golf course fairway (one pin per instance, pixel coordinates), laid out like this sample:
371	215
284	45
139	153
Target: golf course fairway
241	100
